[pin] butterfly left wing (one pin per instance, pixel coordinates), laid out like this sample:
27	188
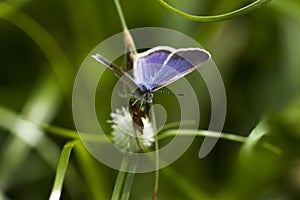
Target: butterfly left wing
123	75
178	64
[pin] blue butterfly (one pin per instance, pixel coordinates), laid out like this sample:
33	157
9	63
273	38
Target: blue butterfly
153	70
159	67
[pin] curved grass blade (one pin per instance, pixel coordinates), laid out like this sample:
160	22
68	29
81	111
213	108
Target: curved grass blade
61	170
254	138
214	18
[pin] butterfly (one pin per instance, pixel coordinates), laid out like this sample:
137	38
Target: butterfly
153	70
159	67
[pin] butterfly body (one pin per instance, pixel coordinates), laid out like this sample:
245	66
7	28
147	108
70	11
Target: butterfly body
139	106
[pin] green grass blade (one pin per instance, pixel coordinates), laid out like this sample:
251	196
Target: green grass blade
254	138
61	170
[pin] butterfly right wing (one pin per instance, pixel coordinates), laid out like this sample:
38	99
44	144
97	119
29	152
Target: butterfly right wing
178	64
147	64
128	80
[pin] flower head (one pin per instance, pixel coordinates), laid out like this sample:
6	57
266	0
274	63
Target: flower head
124	134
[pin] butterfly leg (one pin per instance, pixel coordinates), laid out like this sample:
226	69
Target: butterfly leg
135	101
141	104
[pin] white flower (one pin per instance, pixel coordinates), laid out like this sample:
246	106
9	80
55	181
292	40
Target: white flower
125	136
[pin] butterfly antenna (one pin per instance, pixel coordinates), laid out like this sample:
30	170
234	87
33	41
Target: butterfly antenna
168	92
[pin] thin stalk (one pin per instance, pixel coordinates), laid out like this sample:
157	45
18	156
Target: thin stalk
214	18
271	148
128	40
120	182
153	121
204	133
59	131
212	134
127	186
129	179
125	179
177	124
120	13
73	134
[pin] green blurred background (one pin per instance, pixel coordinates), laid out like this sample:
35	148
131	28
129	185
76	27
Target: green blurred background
43	44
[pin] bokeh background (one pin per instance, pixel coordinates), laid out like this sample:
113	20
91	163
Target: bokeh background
43	44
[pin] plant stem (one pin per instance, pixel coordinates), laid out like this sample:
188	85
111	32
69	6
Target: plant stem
212	134
128	40
153	121
120	13
177	124
73	134
214	18
124	180
129	178
120	181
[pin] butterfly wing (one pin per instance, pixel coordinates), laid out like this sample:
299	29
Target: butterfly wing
148	64
128	80
178	64
159	66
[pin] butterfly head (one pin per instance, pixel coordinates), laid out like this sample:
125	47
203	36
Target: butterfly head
142	95
148	96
